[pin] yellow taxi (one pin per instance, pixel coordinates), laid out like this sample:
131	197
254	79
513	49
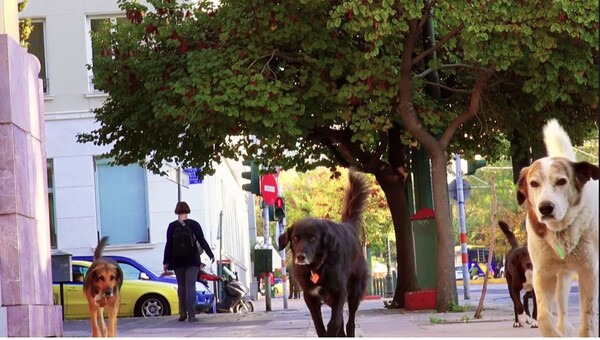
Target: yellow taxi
138	297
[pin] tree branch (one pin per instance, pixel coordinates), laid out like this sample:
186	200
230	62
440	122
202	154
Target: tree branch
429	70
471	110
447	87
439	44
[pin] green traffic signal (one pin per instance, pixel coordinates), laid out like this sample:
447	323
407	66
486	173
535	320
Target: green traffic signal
253	176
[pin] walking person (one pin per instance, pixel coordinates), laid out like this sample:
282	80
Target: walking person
182	255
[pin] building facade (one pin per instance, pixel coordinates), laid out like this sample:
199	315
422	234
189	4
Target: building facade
89	198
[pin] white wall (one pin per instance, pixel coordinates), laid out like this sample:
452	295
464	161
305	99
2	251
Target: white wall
67	108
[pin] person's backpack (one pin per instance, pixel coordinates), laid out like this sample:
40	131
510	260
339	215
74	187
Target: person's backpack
184	242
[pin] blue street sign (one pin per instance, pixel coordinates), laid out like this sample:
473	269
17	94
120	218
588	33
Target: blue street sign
192	173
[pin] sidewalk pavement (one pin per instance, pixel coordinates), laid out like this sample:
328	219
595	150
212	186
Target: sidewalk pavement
373	320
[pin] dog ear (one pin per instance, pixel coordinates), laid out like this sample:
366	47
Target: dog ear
119	276
329	240
284	239
584	172
522	186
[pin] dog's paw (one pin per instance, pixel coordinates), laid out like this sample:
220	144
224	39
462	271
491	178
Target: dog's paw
517	324
524	319
534	323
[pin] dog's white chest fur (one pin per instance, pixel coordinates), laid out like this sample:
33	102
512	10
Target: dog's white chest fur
315	291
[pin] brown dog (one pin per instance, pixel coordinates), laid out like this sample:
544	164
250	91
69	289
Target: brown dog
329	263
101	288
519	273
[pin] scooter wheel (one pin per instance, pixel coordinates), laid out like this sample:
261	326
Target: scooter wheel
243	307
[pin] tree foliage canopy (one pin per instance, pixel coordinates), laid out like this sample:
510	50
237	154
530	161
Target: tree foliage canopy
184	78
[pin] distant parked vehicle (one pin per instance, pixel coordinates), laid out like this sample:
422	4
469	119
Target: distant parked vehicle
133	270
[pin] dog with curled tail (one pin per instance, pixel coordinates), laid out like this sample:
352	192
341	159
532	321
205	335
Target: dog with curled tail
329	263
560	196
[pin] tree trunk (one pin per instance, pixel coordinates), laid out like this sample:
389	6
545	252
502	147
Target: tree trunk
394	185
446	281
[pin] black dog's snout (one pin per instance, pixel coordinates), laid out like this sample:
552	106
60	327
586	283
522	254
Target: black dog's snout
529	266
546	208
301	257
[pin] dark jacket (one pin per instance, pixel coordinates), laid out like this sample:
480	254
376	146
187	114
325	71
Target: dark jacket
192	261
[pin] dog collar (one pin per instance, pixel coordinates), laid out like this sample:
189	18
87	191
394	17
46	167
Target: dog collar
314	277
560	251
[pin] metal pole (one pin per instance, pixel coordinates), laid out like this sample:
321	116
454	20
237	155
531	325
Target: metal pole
221	236
179	184
462	226
267	246
283	269
280	230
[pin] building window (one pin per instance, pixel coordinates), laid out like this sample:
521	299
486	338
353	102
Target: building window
37	47
121	202
51	203
97	24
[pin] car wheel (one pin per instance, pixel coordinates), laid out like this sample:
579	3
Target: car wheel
152	305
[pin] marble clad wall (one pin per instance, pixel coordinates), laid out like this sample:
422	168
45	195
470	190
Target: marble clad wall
26	301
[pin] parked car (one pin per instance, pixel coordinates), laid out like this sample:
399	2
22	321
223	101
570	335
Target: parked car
143	298
133	270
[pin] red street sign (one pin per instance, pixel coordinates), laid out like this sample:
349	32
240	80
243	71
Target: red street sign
268	189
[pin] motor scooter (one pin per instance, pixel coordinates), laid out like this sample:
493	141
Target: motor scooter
236	299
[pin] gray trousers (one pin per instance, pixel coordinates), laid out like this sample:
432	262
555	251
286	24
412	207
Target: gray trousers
186	289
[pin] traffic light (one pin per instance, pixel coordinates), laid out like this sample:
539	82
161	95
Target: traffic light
473	165
279	212
252	175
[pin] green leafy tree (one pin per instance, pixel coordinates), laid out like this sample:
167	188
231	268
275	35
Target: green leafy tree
332	83
25	27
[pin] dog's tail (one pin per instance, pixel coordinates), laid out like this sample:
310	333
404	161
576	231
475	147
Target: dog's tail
355	198
100	248
558	143
509	234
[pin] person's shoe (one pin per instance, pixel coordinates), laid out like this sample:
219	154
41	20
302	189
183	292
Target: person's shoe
182	317
192	319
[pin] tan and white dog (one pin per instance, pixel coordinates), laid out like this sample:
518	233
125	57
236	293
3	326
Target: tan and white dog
561	200
102	288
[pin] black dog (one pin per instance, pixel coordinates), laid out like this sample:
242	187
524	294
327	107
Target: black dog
329	263
519	273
